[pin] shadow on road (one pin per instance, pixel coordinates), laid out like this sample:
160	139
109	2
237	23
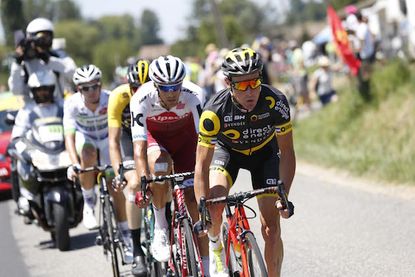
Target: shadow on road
84	240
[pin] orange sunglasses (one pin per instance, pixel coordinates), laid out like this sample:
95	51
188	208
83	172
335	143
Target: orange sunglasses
243	85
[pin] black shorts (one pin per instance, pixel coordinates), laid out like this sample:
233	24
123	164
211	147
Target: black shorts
126	145
263	164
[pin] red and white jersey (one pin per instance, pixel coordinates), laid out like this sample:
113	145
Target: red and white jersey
149	116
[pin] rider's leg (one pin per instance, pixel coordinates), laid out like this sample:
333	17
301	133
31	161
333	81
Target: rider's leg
88	157
271	232
160	163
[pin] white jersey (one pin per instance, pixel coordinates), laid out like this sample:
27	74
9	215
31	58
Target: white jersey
31	113
78	118
148	115
63	68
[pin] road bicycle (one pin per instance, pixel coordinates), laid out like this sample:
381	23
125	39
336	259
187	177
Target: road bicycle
108	234
185	259
154	268
243	256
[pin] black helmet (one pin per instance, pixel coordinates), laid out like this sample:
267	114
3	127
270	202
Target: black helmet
241	61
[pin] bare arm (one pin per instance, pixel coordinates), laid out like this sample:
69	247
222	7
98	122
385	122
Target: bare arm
114	135
203	158
140	158
287	159
70	147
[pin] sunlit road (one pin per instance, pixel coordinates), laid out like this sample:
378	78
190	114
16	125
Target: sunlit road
337	230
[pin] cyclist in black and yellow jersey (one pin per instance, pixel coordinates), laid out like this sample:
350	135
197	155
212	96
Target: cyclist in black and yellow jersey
246	125
121	150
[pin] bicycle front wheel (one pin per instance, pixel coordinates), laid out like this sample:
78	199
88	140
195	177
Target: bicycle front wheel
191	244
255	262
233	265
110	223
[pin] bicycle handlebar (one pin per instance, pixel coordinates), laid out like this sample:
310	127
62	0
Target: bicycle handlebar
100	168
176	176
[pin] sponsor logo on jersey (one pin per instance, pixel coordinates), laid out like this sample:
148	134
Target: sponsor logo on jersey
180	105
282	109
103	110
237	117
168	117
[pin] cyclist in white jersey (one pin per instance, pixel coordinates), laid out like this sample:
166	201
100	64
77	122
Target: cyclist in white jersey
86	136
164	125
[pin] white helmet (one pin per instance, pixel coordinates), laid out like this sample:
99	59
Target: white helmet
41	78
44	79
167	70
39	24
86	74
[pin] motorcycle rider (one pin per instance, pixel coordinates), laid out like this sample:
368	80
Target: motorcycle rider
33	53
41	107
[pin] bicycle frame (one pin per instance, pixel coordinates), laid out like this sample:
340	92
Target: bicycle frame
238	227
179	214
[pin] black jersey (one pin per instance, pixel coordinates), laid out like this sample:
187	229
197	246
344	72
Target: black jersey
223	122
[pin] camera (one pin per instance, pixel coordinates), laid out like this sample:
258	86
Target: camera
29	44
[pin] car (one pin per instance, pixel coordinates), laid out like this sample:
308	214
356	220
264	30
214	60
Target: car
9	105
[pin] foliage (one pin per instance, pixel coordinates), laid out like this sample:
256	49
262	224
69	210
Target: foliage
150	27
369	139
11	23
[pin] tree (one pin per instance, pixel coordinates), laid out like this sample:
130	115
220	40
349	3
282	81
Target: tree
150	26
12	18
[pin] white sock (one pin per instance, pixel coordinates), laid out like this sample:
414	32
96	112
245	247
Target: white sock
160	221
125	231
205	263
89	197
215	243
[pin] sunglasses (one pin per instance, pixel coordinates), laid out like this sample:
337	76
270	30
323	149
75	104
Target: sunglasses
93	87
169	88
243	85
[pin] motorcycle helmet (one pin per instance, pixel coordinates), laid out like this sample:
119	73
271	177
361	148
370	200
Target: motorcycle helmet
40	31
42	85
167	70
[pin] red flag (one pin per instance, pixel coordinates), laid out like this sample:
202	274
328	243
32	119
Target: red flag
341	40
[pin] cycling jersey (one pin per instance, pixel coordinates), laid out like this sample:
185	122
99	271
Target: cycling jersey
119	109
77	117
223	122
173	130
148	114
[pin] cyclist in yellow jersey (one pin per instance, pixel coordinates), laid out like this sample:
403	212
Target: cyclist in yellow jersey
247	125
121	150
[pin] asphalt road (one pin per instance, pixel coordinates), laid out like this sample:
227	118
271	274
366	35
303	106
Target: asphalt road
340	228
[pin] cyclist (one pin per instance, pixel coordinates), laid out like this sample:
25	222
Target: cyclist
121	150
85	124
165	114
34	53
246	125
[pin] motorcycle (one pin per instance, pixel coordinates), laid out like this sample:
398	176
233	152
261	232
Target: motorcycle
46	197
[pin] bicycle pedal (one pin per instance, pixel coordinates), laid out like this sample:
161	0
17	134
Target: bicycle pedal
98	240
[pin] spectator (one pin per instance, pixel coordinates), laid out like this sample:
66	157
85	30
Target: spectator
321	82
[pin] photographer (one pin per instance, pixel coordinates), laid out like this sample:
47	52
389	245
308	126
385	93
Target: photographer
33	54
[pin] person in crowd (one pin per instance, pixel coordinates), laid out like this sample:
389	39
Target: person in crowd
245	126
33	53
121	152
322	81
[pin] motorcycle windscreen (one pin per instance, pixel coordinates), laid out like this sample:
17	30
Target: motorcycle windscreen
49	162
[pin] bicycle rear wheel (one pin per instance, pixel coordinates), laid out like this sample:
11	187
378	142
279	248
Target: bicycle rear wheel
256	264
112	243
191	250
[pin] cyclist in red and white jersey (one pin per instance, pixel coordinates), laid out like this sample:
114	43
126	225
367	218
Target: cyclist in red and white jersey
164	125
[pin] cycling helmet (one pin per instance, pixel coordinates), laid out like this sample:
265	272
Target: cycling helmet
167	70
138	73
44	79
86	74
241	61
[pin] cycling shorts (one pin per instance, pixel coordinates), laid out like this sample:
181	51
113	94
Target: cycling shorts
180	146
102	145
126	145
263	164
